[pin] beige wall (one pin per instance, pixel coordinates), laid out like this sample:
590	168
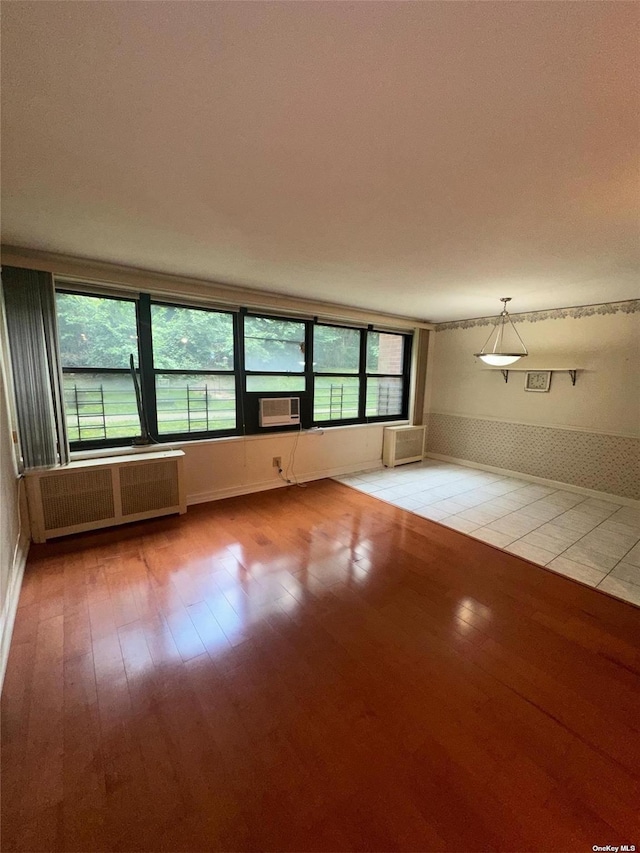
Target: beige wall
224	467
586	435
10	569
606	397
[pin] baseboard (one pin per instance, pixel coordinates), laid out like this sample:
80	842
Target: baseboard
568	487
10	605
265	485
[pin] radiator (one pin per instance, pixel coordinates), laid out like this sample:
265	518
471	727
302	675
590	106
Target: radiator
94	493
402	444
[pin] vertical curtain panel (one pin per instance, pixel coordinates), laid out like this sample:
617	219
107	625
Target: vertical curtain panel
29	300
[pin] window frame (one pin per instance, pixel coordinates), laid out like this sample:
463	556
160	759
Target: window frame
150	372
245	314
250	399
246	402
405	376
363	377
97	443
360	417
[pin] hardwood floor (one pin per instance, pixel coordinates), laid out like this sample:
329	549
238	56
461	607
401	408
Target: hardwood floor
312	669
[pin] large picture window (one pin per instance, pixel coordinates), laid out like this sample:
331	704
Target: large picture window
202	371
97	336
194	370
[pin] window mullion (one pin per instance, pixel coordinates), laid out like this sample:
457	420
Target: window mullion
240	371
362	399
147	373
108	370
308	369
406	373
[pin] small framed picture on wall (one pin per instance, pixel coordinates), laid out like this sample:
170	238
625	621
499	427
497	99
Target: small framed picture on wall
537	380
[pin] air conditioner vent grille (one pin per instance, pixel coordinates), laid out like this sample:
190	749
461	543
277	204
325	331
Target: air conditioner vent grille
77	498
409	443
279	411
278	407
151	486
402	445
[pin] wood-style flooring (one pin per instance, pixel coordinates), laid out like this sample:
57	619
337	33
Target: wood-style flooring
312	669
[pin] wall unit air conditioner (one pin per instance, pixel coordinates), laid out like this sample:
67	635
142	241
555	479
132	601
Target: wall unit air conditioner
402	444
279	411
93	493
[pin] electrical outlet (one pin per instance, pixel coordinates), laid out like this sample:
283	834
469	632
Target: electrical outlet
277	462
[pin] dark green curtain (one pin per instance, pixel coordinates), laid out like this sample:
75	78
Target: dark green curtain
30	310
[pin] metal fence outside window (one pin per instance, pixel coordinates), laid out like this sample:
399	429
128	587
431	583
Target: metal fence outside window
97	412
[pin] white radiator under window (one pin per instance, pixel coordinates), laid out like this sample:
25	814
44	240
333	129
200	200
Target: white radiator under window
93	493
403	444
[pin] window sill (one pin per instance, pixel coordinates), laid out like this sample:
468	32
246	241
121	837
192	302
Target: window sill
106	452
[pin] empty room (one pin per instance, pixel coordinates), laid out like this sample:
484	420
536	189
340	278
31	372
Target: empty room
320	426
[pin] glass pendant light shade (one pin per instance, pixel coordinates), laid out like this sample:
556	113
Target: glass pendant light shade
499	360
498	352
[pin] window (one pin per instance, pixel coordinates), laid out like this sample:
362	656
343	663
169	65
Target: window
336	354
267	383
387	386
273	347
336	349
203	371
380	388
194	370
275	364
97	336
336	398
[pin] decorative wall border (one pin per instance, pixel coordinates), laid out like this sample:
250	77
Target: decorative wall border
630	306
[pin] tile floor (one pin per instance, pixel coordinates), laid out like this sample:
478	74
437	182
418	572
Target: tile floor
594	541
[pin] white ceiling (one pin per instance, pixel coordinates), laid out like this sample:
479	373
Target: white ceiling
418	158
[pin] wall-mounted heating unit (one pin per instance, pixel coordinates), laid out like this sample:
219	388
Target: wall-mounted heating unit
93	493
402	444
279	411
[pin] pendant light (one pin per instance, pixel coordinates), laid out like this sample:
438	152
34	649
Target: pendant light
496	351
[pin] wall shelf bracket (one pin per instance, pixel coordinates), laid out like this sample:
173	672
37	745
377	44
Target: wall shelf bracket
505	371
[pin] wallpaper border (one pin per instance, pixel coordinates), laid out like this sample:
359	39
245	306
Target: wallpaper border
629	306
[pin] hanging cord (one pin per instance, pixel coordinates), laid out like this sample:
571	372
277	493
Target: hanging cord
145	437
289	476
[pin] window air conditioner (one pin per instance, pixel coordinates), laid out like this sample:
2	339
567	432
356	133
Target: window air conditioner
279	411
